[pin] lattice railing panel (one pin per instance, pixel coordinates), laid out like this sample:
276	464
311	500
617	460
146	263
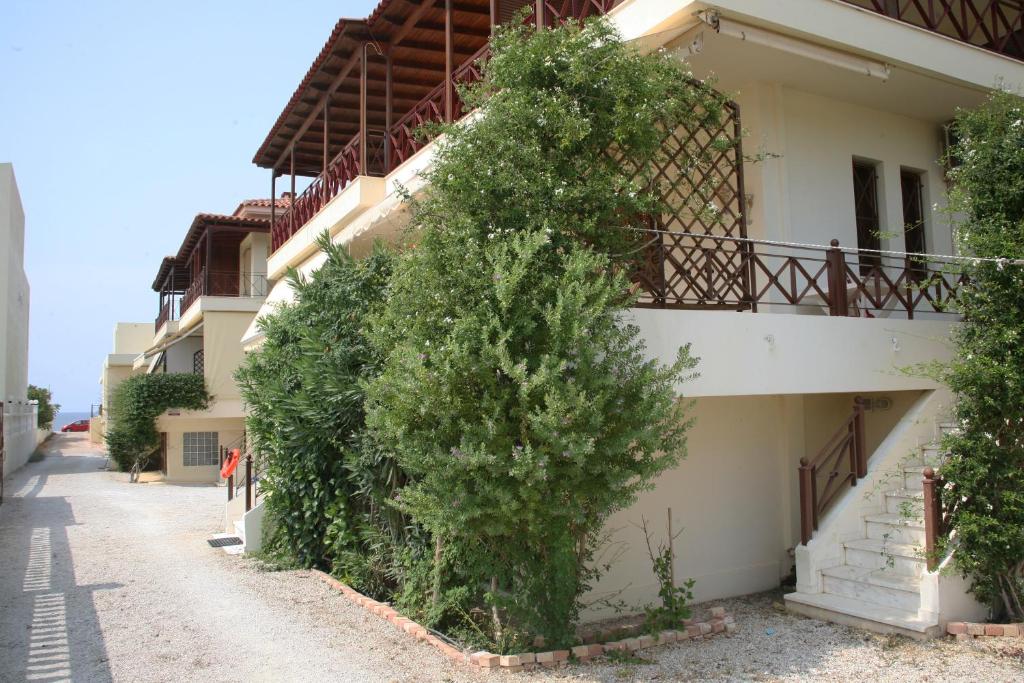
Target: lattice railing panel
996	25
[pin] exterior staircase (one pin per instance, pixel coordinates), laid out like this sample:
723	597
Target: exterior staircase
870	570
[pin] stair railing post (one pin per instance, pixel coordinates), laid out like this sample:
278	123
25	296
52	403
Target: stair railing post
248	483
859	442
932	516
806	501
231	487
838	305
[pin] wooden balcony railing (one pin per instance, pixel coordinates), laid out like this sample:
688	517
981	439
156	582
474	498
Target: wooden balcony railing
995	25
169	310
841	461
693	271
224	283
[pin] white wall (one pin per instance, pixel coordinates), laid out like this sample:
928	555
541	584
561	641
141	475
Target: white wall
180	355
19	435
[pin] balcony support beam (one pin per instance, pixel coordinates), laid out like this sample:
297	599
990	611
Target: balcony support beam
363	156
291	214
449	61
389	107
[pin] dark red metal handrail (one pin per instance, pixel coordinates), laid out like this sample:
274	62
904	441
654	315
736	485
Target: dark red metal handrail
994	25
843	459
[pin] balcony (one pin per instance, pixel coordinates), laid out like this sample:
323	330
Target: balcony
993	25
219	256
334	150
706	272
223	283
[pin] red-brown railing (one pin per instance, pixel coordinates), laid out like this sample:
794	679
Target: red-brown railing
168	311
937	519
223	283
559	12
842	460
245	480
342	170
995	25
696	271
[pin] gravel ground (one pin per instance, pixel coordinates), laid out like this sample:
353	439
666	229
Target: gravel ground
102	580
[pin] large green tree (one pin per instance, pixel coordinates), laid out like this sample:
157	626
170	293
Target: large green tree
514	392
985	470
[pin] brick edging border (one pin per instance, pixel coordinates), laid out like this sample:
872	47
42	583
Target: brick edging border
718	622
966	630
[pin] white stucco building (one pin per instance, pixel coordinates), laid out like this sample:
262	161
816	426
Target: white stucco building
791	306
19	416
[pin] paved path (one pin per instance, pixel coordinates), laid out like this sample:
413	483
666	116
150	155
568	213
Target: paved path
102	580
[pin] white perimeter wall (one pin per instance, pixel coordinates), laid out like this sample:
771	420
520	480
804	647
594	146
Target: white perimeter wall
19	424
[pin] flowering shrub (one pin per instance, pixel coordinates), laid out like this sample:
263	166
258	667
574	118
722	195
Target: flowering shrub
985	469
514	391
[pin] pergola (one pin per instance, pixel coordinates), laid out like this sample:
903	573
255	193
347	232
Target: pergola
379	78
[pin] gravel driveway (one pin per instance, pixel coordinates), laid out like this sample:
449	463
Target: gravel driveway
102	580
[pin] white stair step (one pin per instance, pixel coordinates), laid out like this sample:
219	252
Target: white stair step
874	586
913	479
933	455
895	558
858	613
904	502
240	529
895	528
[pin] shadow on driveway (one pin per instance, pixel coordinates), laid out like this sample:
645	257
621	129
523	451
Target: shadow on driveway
49	629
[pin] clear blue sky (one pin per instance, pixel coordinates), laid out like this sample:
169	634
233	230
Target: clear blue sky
124	120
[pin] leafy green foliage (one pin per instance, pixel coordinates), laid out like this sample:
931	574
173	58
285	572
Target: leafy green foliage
514	392
329	482
47	409
132	439
675	599
986	464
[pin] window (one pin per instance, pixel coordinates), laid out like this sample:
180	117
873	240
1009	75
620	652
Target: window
865	197
200	449
198	362
911	186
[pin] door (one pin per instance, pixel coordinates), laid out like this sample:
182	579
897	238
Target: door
163	452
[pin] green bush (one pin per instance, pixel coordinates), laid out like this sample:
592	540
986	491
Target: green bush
132	439
329	483
514	392
986	464
47	410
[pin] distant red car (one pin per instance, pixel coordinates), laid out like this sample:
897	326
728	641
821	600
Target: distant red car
76	426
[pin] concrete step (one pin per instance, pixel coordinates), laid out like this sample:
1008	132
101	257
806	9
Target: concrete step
904	502
860	614
896	558
876	586
895	528
240	529
932	455
913	480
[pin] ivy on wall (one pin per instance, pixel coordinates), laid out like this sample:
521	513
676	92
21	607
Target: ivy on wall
132	439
